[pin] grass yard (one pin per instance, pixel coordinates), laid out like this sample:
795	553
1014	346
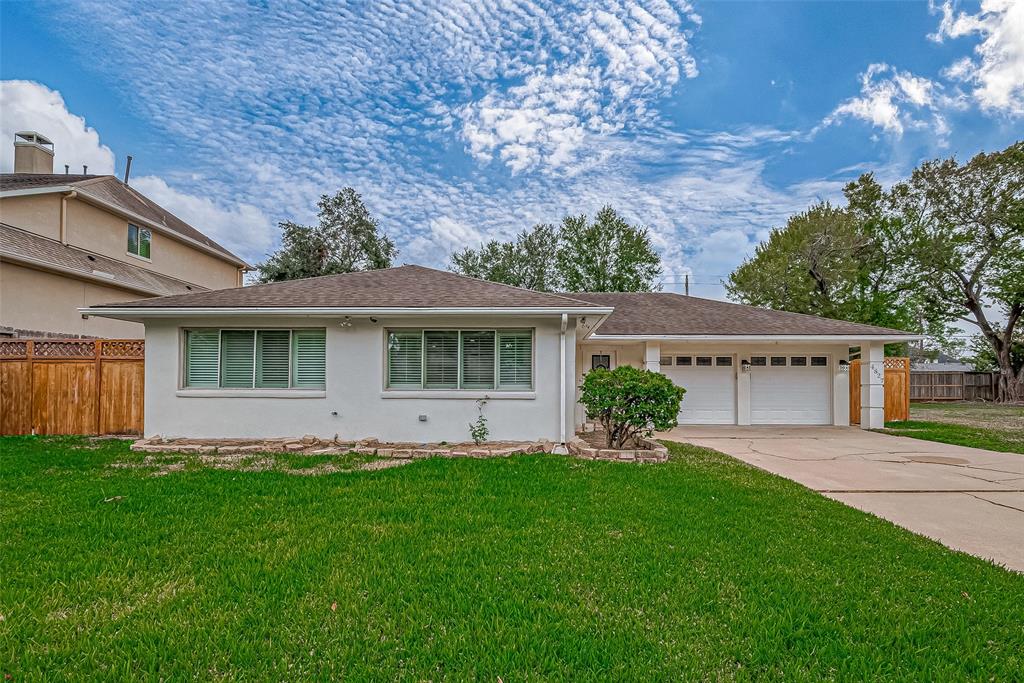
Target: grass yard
981	425
532	567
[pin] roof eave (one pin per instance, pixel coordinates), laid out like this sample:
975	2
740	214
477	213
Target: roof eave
139	313
115	283
86	196
854	338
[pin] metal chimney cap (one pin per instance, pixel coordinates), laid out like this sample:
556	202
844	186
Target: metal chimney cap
32	136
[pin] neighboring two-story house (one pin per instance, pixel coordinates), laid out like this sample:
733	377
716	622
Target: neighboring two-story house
73	240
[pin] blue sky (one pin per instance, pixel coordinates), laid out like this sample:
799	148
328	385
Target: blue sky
707	122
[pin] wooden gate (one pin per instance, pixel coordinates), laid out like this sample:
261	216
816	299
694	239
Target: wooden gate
71	386
897	390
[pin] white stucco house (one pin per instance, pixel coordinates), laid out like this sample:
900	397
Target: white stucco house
404	354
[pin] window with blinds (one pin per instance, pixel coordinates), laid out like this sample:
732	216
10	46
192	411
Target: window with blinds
460	359
256	359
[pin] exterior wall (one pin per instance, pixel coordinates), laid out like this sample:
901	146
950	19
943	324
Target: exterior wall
29	301
102	232
634	354
39	213
355	403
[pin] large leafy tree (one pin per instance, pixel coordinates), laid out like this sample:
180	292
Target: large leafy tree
604	255
830	261
963	230
527	261
345	239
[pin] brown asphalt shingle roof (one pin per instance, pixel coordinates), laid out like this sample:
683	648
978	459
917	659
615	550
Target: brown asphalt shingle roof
109	189
20	246
663	313
401	287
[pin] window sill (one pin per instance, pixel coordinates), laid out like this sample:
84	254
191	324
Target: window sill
465	394
251	393
136	256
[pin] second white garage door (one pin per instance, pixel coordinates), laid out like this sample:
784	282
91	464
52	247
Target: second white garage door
710	383
790	390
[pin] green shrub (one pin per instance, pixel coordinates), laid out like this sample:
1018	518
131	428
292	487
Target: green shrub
629	402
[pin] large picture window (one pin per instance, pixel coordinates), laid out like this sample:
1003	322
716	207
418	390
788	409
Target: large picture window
255	359
460	359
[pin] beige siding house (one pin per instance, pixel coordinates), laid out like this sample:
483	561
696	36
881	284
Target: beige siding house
73	240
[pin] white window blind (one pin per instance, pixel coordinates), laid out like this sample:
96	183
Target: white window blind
441	359
478	360
405	358
262	359
515	359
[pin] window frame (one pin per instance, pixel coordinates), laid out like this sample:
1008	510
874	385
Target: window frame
292	388
460	388
139	230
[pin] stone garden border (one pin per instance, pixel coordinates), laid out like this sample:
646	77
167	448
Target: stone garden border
311	445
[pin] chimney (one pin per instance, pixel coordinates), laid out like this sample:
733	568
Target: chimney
33	153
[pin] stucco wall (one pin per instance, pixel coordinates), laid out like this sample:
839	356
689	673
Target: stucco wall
633	354
102	232
355	390
35	213
45	302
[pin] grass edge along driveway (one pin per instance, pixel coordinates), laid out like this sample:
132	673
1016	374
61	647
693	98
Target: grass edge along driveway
539	567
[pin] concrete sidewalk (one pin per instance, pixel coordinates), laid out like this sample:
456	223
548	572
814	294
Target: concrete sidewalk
966	498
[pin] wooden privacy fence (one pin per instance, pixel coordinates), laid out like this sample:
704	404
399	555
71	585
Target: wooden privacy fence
897	390
71	386
953	385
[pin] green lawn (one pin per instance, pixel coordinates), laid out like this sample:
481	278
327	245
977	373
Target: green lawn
534	567
980	425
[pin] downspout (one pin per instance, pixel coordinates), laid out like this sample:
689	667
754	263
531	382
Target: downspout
64	214
561	384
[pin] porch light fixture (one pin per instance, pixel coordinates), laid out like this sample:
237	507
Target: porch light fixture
744	365
347	322
844	366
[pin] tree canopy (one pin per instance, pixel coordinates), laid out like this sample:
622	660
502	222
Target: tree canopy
346	239
945	246
604	255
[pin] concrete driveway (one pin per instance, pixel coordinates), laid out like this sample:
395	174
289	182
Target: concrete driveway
966	498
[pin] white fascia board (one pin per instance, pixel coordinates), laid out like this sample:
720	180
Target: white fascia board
51	189
755	338
138	312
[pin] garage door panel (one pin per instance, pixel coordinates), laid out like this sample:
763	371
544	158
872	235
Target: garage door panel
710	394
790	395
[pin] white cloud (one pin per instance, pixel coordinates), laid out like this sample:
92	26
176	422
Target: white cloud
997	73
893	100
32	106
242	228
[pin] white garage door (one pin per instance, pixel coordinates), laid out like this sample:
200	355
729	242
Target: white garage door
710	383
791	390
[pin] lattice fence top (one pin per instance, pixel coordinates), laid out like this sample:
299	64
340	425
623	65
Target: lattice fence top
64	348
13	348
72	348
897	363
123	348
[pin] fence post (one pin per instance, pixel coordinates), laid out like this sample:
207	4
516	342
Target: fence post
97	351
31	398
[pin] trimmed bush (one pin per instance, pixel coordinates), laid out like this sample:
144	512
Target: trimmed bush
629	402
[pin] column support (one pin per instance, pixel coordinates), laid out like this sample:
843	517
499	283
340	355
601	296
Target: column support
652	356
872	385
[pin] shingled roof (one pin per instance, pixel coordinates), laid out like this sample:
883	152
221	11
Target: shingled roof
19	246
663	313
110	190
401	287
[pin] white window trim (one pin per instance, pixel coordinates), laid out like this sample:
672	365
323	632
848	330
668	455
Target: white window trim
407	392
250	393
